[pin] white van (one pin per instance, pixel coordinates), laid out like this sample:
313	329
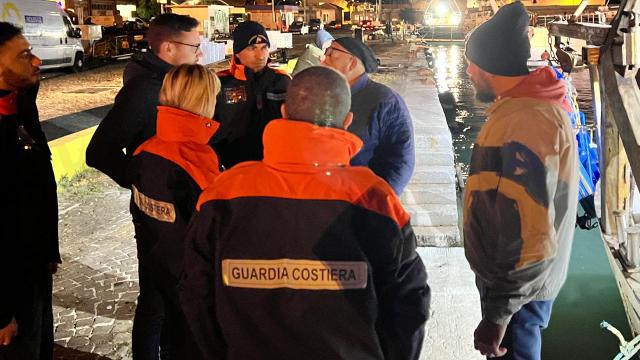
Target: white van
49	30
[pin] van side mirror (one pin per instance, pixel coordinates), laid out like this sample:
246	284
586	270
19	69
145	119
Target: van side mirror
74	33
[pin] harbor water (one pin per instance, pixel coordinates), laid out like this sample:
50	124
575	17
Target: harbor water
590	294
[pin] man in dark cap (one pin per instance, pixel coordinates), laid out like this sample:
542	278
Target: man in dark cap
521	195
380	116
340	279
251	96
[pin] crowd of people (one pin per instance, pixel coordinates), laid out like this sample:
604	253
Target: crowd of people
266	208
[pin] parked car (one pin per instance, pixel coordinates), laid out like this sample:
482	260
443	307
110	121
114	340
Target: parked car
366	24
333	25
296	27
54	38
315	25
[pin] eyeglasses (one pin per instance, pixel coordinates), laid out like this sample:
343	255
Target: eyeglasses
197	47
331	49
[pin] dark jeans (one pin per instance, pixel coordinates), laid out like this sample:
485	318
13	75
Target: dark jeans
523	338
159	323
34	317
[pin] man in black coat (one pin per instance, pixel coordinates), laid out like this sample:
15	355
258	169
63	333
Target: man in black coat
29	252
174	40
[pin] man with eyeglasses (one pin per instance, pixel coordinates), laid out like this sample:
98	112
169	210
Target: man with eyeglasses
29	253
251	96
173	40
380	117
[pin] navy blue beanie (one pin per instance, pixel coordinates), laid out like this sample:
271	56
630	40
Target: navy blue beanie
248	33
501	45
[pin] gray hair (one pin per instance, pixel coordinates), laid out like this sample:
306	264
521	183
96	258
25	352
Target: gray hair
319	95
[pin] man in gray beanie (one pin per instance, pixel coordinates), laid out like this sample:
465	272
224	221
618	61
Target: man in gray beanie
380	116
251	96
521	194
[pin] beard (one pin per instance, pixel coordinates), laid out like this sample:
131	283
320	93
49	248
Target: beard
19	81
485	95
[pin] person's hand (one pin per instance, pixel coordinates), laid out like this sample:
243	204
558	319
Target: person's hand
8	332
487	339
53	267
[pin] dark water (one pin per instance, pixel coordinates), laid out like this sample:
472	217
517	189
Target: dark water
466	115
590	294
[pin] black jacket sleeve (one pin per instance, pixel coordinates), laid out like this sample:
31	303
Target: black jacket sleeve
197	286
404	297
134	109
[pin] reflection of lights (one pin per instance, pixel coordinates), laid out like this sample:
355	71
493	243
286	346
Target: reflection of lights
442	8
446	64
455	19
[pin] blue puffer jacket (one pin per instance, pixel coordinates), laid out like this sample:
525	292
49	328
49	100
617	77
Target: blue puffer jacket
381	119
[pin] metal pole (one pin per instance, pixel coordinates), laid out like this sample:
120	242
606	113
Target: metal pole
273	12
304	10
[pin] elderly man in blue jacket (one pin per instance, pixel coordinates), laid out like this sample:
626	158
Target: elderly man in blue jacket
380	116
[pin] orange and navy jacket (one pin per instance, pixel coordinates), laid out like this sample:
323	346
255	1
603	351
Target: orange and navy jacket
521	197
302	256
168	172
246	103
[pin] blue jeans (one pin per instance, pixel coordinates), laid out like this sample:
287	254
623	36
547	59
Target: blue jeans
523	338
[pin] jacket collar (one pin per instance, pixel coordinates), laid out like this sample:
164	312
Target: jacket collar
237	69
152	62
299	143
9	103
176	125
241	72
362	81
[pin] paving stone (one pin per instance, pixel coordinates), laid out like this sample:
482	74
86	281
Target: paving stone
66	334
77	341
103	338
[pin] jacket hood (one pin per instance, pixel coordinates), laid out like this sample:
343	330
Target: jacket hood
291	142
176	125
145	63
542	84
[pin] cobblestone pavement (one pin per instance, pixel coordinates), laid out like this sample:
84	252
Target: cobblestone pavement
96	288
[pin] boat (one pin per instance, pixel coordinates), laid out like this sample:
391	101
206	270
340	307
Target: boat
612	59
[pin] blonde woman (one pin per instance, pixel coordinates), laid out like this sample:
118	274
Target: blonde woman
168	172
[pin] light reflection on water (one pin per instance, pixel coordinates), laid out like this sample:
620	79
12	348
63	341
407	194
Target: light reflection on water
465	114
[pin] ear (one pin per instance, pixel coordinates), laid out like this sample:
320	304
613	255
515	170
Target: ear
354	63
166	47
283	110
347	120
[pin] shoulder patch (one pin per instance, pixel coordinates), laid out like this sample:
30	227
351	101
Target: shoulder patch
159	210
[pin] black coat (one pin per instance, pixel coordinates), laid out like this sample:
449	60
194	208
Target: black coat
29	225
245	104
131	121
